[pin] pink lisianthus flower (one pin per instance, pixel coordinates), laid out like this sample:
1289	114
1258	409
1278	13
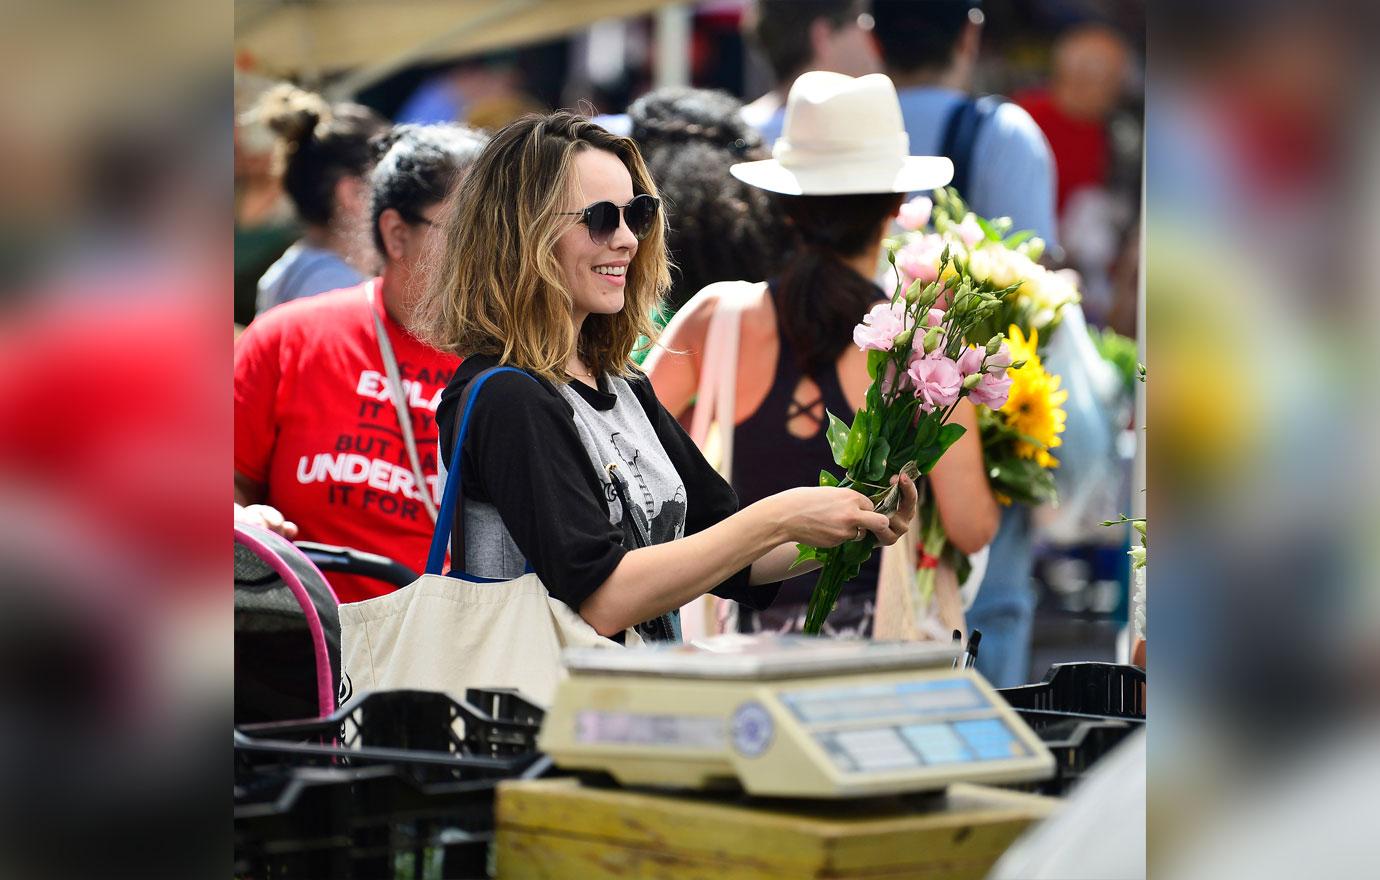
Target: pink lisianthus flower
915	213
970	361
893	380
969	231
919	260
937	381
992	391
880	327
934	318
998	363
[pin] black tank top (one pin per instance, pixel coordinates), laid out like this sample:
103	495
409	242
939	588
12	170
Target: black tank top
768	459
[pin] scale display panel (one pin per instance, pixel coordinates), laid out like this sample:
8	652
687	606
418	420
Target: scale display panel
788	716
921	723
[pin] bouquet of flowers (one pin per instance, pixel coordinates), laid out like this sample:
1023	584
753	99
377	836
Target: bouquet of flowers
1017	440
1000	302
922	363
988	254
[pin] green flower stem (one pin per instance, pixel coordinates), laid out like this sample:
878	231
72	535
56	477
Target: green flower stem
838	565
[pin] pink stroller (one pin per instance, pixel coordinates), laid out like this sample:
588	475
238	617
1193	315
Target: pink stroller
287	631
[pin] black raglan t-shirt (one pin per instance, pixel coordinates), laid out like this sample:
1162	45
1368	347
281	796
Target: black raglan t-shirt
536	490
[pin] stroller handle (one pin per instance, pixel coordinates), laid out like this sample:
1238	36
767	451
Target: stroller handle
343	559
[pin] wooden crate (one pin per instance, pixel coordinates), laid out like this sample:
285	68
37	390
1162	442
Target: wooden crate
560	829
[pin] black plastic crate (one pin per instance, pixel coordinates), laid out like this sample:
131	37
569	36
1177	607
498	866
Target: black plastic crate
1081	711
395	784
1076	742
1110	690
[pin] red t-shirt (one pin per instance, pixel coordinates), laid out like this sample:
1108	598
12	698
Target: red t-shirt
314	423
1081	147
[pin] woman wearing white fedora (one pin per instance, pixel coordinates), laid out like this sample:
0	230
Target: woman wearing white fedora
765	360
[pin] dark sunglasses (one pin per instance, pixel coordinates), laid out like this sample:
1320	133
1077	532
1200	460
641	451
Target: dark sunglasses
602	218
418	220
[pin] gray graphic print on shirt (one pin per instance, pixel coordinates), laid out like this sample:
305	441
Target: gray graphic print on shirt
623	436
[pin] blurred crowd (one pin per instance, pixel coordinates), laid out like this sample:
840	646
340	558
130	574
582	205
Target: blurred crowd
1043	121
1261	213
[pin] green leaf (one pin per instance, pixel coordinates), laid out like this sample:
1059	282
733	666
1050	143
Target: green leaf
1023	480
876	459
1016	238
928	456
949	434
827	479
874	397
837	435
858	437
926	431
804	553
875	360
988	229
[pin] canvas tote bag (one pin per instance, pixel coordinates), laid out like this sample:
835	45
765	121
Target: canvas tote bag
901	615
449	633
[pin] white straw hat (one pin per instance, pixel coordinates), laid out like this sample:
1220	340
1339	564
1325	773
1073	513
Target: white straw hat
843	135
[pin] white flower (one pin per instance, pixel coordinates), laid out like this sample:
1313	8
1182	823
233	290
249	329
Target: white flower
981	264
1137	555
969	230
1008	267
1033	247
1138	614
1047	292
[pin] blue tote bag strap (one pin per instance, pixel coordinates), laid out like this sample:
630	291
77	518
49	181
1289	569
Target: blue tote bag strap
445	517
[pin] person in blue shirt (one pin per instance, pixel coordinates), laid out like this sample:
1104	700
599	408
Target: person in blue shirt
1004	165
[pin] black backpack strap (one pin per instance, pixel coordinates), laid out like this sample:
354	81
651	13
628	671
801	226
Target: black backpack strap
960	135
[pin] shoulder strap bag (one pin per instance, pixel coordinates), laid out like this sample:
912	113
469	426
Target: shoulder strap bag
457	631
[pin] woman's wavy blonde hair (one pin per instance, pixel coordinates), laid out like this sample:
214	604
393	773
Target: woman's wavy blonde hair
497	288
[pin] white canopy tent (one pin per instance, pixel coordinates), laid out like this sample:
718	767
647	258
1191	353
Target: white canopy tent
373	39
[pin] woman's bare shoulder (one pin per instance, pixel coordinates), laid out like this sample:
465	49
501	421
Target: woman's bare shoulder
693	318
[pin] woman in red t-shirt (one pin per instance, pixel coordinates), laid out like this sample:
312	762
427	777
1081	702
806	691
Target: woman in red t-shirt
323	450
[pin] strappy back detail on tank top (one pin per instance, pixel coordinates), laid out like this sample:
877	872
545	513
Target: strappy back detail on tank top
768	458
769	421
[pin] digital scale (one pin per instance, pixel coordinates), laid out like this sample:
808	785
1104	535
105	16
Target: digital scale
788	716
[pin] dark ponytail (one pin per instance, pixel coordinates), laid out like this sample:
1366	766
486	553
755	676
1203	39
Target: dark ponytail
819	298
318	144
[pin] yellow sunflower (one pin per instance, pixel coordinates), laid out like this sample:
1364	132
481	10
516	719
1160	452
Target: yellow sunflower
1023	349
1035	405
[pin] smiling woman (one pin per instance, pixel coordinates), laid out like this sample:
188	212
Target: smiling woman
554	259
517	279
